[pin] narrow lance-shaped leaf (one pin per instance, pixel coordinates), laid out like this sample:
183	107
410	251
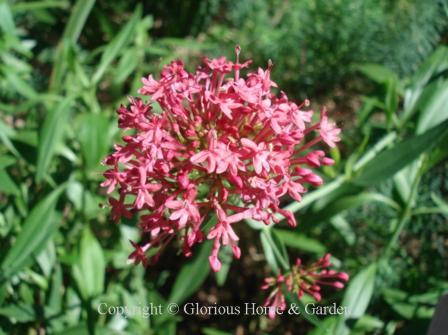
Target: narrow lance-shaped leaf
274	250
192	275
6	132
73	29
6	19
378	73
19	85
269	252
37	229
94	137
51	135
7	185
117	45
89	268
299	306
346	203
432	67
299	241
443	205
434	107
357	296
389	162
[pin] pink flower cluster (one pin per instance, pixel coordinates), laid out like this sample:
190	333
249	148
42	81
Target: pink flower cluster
302	280
216	144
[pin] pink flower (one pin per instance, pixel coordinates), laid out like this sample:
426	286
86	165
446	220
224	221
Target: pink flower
276	304
260	155
220	65
185	210
328	130
226	104
302	280
223	145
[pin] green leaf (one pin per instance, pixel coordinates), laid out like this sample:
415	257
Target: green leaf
433	107
83	328
77	19
128	63
433	66
6	132
389	80
226	258
357	296
6	19
73	28
274	250
51	136
389	162
443	205
343	227
269	252
37	230
378	73
212	331
37	5
19	312
89	268
391	100
192	275
367	323
402	303
7	185
47	258
326	326
299	241
348	202
6	161
292	300
83	200
315	195
19	85
94	137
54	300
117	45
403	180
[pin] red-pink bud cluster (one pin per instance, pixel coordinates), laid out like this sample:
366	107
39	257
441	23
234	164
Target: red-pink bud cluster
222	145
302	280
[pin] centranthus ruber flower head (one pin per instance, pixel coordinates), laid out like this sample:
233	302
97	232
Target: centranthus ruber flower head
223	144
302	280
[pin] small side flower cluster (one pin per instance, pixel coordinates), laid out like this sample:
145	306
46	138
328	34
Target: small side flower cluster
302	280
223	145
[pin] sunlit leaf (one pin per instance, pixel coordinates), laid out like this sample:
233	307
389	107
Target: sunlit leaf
191	275
357	296
389	162
433	107
89	268
299	241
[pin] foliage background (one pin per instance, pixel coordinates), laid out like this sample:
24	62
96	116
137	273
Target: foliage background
380	66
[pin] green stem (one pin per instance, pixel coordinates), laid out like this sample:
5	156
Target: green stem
428	210
283	262
380	145
405	215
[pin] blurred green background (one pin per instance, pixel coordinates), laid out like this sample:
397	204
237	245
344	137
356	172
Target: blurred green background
381	67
